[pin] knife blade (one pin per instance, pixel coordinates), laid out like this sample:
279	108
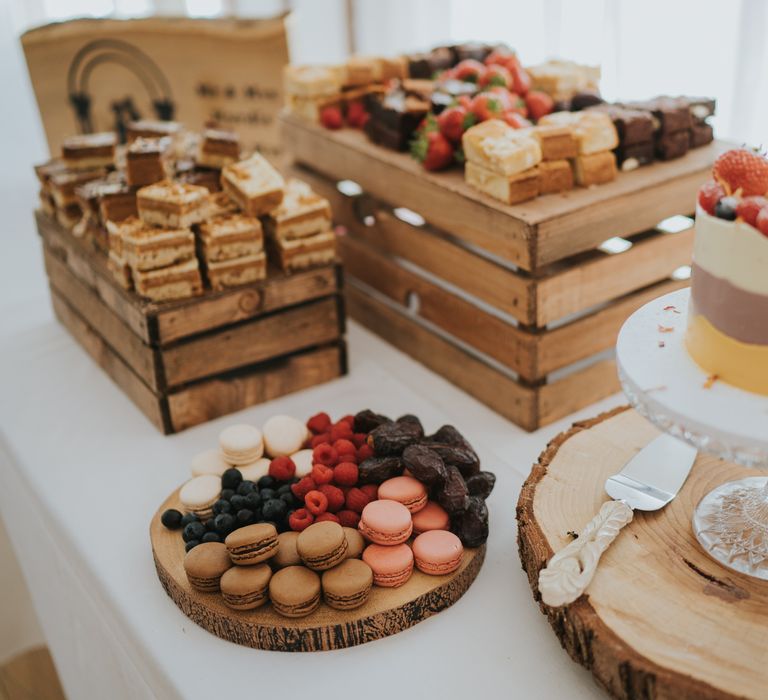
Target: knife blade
648	481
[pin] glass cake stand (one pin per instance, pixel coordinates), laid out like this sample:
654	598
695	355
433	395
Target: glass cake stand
665	385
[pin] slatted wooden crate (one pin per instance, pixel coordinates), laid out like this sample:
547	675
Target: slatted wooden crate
189	361
518	305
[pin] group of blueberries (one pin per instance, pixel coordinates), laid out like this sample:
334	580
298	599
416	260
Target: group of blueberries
241	503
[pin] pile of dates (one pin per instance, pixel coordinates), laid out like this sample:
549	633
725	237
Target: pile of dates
444	461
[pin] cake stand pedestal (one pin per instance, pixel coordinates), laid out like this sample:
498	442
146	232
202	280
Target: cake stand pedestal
666	386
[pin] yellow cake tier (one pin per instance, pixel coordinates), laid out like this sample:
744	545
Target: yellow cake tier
741	364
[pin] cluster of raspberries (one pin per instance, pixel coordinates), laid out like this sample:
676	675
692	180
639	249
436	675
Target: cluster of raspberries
330	491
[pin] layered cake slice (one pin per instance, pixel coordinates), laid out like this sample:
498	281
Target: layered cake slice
88	151
302	213
254	184
231	236
728	316
173	204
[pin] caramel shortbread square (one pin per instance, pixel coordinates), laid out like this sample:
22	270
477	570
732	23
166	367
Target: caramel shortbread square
173	204
254	184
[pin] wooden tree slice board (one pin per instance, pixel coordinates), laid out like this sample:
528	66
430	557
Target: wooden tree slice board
660	619
387	611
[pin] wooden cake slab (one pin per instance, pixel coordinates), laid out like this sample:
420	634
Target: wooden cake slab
388	610
660	619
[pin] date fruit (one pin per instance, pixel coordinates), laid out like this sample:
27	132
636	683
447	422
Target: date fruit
426	465
453	495
374	470
463	458
413	420
471	526
392	438
481	484
367	420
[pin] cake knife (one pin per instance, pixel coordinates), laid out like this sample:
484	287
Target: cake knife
648	481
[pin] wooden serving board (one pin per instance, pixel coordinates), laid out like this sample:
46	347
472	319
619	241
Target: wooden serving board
660	620
387	611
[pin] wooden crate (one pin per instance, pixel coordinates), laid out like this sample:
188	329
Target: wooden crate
189	361
518	305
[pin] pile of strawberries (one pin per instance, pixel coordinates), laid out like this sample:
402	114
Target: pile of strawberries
331	492
504	93
739	188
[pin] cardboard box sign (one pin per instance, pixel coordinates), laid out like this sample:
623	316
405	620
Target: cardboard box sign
98	74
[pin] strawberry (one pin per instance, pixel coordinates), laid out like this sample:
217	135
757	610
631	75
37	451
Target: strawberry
357	116
430	147
762	222
749	207
469	70
539	104
496	75
521	81
710	194
331	118
742	169
515	119
454	121
487	105
499	57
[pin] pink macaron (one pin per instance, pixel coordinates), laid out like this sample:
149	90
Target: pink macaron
406	490
437	552
431	517
386	522
391	566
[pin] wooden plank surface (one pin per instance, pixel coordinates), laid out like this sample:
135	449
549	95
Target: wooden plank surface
208	399
531	234
257	340
120	373
139	356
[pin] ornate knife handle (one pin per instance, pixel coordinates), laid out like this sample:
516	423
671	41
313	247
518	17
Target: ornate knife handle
570	571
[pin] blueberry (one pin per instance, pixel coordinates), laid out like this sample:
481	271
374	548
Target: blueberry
226	494
267	493
193	531
275	509
189	518
237	502
253	500
191	544
726	208
245	487
211	537
210	525
285	488
267	482
295	480
245	517
171	518
289	498
231	478
222	506
224	523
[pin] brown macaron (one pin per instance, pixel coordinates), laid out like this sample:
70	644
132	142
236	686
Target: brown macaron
348	585
287	554
245	587
253	544
205	565
355	543
295	591
322	545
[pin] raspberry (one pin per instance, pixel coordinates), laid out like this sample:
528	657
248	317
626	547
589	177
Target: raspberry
762	222
322	439
345	474
316	502
359	439
749	207
709	195
300	520
370	490
357	116
348	518
319	423
303	487
349	419
341	431
327	516
344	447
324	454
364	452
742	169
331	118
282	468
334	495
322	474
357	500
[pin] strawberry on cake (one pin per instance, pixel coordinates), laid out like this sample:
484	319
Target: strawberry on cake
728	318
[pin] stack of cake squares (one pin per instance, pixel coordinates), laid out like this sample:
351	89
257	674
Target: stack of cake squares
673	124
300	230
595	162
309	89
559	148
635	128
502	161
